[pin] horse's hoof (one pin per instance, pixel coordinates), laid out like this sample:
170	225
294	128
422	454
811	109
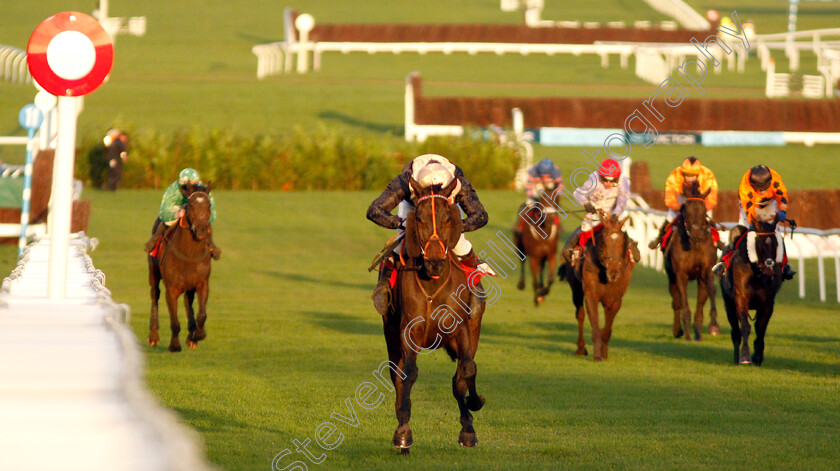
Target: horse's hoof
745	360
596	359
757	361
679	334
152	343
404	451
192	345
581	352
467	440
403	440
174	348
539	300
475	404
521	285
714	330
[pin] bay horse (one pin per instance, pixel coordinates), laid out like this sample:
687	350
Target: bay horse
751	281
540	230
602	276
430	309
690	254
183	263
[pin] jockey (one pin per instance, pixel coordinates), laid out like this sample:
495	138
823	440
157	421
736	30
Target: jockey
763	197
427	170
689	172
173	208
606	190
542	176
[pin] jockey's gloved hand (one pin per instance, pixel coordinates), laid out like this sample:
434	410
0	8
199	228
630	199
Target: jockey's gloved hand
782	216
589	208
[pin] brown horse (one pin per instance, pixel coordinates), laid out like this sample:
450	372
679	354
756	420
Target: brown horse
538	241
183	263
430	310
602	277
690	255
750	285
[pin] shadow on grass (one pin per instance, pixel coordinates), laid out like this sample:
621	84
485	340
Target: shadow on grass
205	421
356	122
344	324
297	277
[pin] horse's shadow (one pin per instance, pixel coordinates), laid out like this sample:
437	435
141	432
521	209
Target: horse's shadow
298	277
353	121
344	324
552	338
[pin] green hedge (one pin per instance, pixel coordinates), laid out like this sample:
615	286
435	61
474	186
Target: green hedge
325	159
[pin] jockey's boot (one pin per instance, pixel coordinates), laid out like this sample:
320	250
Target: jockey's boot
215	251
720	267
787	272
472	261
150	244
571	252
655	242
634	250
382	293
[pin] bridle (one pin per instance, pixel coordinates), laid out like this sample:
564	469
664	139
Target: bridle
435	237
685	219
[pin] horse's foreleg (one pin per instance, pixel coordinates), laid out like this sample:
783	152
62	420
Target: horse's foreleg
610	310
597	339
762	319
189	296
711	290
172	304
463	382
154	281
552	269
742	311
521	285
536	276
732	317
203	292
577	300
702	295
402	436
675	305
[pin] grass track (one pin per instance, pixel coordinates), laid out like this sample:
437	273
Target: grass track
291	333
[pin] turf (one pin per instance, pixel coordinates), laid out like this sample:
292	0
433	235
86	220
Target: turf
292	333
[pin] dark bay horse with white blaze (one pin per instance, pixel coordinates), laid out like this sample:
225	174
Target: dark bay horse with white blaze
539	238
430	309
602	277
183	263
690	255
751	281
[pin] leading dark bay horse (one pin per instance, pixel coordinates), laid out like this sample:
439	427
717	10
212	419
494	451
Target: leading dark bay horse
540	230
751	282
602	276
430	310
690	254
183	263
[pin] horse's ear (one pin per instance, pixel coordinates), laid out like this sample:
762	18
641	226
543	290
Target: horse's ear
209	186
456	225
415	186
448	189
412	245
601	217
623	221
706	193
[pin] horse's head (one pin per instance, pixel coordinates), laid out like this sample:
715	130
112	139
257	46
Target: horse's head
766	246
694	213
198	214
612	245
434	227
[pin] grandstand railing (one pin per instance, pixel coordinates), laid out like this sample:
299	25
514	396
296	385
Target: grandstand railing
680	11
13	66
804	243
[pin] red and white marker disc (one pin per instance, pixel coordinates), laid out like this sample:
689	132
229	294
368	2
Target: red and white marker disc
70	54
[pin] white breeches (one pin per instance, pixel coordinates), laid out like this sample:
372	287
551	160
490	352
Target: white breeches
461	249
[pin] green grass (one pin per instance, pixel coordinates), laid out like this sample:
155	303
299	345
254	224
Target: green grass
291	333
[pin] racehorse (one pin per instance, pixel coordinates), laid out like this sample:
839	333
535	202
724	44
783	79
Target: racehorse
430	309
690	254
751	281
602	276
183	263
539	243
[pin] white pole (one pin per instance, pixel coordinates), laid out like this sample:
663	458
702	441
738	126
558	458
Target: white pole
61	199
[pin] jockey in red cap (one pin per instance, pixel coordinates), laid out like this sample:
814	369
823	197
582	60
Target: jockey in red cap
606	190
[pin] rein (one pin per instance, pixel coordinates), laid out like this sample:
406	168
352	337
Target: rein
170	245
435	237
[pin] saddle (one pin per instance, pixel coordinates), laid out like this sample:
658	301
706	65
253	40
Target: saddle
749	238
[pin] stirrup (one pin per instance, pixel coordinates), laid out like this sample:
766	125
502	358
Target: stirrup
718	269
654	244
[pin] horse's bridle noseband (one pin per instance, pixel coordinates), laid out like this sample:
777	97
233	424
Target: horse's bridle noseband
435	237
